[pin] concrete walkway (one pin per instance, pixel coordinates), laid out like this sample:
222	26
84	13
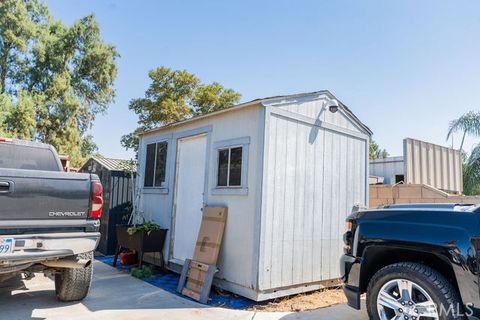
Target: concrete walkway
117	296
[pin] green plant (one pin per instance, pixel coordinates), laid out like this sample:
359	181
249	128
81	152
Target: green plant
146	226
469	124
143	272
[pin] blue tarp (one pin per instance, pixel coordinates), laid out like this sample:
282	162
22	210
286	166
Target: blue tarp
169	282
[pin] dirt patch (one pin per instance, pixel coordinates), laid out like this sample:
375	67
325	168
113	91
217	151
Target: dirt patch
303	302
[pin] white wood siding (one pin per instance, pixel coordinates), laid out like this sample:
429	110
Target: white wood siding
306	169
238	257
313	178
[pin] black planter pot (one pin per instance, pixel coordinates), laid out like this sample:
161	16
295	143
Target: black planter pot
141	242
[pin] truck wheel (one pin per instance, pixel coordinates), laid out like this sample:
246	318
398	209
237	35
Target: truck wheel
412	291
73	284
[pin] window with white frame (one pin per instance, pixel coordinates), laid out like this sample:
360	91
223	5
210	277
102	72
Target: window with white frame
156	164
229	171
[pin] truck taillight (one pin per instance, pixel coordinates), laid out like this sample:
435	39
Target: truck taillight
97	200
348	238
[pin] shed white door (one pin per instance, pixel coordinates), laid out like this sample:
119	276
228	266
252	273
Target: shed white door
190	185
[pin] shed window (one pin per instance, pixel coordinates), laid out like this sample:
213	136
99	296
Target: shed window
155	164
230	167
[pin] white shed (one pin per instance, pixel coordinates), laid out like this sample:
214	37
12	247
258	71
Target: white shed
289	169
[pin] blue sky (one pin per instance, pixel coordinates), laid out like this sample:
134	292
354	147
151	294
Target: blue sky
405	68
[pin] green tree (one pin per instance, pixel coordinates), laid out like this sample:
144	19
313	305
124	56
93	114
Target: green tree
20	121
88	147
468	124
175	95
20	24
471	173
66	72
375	152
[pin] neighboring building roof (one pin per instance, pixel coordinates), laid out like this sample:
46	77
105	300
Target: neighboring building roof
260	102
387	159
112	164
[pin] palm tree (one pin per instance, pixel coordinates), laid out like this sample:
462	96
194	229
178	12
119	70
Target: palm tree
471	173
469	123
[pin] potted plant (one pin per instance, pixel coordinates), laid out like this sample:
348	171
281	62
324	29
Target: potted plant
144	237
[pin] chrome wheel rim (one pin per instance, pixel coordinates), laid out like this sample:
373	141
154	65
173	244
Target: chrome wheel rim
402	299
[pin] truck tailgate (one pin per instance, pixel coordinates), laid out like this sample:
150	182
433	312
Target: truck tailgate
43	195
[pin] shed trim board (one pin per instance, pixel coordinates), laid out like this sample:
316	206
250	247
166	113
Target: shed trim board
318	123
313	137
165	188
259	203
241	190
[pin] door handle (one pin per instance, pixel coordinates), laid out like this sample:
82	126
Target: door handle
6	187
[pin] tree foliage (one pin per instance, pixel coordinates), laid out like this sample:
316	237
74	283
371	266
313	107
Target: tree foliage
375	152
54	78
176	95
469	123
471	173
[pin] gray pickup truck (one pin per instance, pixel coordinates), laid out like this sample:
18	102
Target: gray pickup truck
49	219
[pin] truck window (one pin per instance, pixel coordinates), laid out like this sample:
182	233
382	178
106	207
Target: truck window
14	156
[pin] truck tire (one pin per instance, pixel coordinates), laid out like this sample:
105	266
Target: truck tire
74	284
413	291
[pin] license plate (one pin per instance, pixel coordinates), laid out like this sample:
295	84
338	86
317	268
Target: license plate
6	245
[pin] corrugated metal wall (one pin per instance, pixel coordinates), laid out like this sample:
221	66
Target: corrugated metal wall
431	164
314	178
387	168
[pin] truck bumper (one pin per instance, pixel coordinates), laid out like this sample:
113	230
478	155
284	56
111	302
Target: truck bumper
31	248
350	274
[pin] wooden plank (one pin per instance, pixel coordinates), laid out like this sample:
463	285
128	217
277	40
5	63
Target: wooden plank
325	223
309	199
183	275
265	273
279	204
289	204
198	273
317	138
199	266
190	293
299	213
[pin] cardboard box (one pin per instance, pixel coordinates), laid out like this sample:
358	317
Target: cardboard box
210	235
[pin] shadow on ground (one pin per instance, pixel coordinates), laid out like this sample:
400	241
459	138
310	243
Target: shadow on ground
118	296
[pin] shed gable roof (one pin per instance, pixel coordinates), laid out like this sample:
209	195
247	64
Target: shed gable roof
112	164
266	101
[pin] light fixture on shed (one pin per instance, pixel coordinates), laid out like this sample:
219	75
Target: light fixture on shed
332	105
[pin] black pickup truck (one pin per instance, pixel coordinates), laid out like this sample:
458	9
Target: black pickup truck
49	219
414	262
